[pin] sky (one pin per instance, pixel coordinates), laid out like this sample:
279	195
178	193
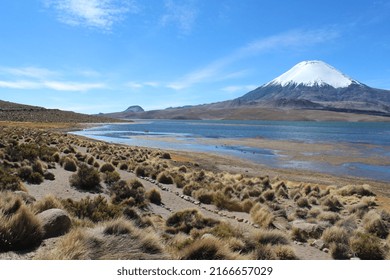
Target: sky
94	56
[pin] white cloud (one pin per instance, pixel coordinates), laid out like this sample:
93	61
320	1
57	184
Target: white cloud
31	72
152	84
291	39
54	85
19	85
71	86
295	39
136	85
183	15
100	14
41	78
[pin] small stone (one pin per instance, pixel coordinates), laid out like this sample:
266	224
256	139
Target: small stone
319	244
326	250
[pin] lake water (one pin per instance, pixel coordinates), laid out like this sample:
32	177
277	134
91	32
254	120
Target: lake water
187	136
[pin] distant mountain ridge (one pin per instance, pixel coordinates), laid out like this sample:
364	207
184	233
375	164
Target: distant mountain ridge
309	85
10	111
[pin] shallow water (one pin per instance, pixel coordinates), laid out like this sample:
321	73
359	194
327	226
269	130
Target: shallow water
187	136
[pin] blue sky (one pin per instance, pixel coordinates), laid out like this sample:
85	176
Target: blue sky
95	56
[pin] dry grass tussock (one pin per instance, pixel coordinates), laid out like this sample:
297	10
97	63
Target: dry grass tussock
262	215
115	240
374	224
95	209
48	202
209	248
186	220
19	228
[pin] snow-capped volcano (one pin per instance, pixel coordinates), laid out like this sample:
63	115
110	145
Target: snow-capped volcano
316	85
313	73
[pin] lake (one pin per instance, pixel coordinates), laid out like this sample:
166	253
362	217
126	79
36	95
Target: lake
370	139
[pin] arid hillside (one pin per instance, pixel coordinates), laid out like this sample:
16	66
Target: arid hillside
24	113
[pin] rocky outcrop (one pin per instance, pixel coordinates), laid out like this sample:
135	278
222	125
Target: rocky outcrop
55	222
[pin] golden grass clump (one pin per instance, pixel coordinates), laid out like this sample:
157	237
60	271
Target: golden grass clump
111	177
328	216
261	215
128	192
204	196
165	178
373	224
69	164
335	234
10	182
46	203
154	196
95	209
332	203
208	248
361	190
367	247
107	167
19	228
284	252
223	201
268	195
86	178
303	202
186	220
272	237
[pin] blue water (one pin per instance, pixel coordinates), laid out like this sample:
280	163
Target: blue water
188	133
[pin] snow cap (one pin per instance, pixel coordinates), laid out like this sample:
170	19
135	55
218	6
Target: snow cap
313	73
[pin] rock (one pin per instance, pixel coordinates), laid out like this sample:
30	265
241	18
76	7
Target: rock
281	223
319	244
207	235
55	222
326	250
27	198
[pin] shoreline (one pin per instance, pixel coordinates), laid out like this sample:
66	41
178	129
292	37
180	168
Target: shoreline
326	158
220	162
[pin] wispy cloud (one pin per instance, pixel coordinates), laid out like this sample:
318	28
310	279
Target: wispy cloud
137	85
102	14
19	85
41	78
181	13
72	86
30	72
296	39
53	85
